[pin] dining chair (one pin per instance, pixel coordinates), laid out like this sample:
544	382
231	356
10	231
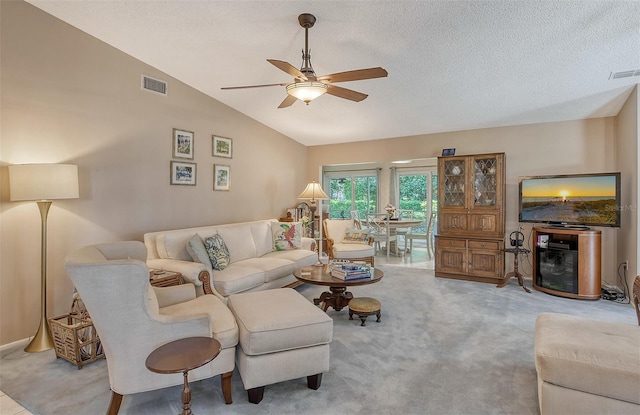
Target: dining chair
378	223
357	222
423	232
404	214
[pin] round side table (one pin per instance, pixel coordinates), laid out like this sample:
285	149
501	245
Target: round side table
182	356
515	273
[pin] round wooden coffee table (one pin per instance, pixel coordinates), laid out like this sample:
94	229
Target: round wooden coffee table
182	356
337	297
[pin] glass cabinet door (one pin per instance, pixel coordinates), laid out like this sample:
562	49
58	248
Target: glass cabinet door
453	191
485	182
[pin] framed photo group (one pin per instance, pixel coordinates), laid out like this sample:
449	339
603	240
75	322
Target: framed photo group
185	172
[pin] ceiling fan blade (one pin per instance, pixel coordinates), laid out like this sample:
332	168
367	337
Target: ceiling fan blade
345	93
288	101
356	75
288	68
255	86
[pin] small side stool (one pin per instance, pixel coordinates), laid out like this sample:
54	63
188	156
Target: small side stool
283	336
364	307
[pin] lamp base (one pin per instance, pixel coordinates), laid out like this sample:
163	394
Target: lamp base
42	340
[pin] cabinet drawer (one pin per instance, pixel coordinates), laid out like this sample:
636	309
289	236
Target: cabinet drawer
452	243
494	245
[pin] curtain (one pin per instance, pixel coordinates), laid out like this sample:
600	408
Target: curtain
393	199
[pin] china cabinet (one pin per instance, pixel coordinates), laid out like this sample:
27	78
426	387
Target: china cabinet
470	236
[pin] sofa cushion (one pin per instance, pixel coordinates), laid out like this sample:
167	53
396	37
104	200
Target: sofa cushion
262	236
239	240
222	323
273	267
596	357
286	235
236	278
301	257
217	252
196	249
174	245
276	320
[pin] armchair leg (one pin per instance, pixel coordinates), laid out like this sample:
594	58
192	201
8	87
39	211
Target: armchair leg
114	405
226	387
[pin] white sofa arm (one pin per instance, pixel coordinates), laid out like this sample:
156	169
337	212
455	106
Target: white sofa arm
193	272
309	244
189	270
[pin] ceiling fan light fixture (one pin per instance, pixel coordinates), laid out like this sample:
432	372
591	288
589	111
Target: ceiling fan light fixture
306	91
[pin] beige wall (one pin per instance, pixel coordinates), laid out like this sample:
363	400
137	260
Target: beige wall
67	97
627	152
583	146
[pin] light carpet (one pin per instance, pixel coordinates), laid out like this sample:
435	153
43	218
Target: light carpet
443	347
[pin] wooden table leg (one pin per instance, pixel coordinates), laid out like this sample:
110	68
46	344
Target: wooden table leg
338	298
186	395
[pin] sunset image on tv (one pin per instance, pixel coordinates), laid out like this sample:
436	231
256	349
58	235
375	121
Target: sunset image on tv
578	199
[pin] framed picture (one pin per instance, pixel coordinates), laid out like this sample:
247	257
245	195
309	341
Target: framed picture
221	177
182	144
448	152
222	147
183	173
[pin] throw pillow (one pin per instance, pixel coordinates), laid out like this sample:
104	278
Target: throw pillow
196	249
356	236
217	251
286	235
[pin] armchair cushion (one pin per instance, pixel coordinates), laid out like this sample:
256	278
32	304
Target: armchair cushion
167	296
221	321
217	251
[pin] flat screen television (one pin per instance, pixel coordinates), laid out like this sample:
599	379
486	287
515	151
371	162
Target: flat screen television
571	200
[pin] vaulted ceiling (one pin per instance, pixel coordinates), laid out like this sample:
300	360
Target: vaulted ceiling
453	65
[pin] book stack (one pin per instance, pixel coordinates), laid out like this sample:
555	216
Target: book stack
349	272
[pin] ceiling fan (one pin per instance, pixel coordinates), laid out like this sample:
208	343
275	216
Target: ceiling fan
306	85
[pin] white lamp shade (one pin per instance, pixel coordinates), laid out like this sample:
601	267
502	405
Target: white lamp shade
43	182
306	91
313	192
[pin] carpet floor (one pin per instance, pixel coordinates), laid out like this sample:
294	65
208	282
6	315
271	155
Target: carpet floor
443	347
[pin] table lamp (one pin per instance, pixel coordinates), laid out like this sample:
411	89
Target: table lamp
43	183
313	192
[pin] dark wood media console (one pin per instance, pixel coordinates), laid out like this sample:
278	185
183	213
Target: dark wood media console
567	262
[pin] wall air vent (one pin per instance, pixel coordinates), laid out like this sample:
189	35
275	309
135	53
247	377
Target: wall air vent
154	85
624	74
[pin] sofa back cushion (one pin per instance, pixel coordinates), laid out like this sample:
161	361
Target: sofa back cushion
239	241
262	236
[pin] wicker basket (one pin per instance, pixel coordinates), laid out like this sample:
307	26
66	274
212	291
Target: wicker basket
74	336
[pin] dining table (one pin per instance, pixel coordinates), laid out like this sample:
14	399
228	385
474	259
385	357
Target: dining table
394	225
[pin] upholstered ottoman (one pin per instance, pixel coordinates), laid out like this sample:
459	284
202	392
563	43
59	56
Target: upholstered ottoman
283	336
587	366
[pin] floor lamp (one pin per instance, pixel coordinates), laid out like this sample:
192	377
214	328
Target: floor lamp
43	183
313	192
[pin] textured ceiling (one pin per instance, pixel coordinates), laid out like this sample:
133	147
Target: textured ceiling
453	65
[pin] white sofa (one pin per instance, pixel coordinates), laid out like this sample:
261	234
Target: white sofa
254	264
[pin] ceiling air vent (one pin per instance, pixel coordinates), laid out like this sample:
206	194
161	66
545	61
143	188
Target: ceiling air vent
624	74
154	85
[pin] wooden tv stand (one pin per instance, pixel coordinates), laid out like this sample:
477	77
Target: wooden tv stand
582	249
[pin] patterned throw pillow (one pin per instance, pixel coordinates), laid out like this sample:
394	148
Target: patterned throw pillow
218	252
356	236
286	235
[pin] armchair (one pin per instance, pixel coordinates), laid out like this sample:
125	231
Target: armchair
133	318
337	248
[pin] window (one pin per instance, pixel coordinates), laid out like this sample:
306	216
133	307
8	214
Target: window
355	190
418	191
